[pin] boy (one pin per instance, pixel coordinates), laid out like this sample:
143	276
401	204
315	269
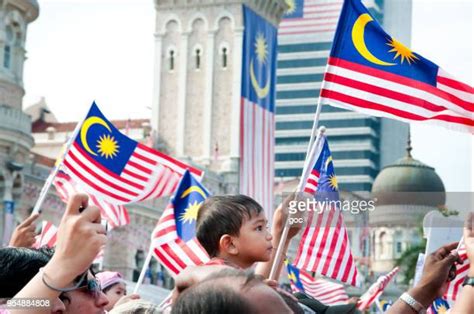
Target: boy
233	230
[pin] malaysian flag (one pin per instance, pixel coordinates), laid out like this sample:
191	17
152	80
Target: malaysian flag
327	292
439	306
174	239
324	247
455	286
116	215
375	290
47	237
257	121
117	169
371	72
310	17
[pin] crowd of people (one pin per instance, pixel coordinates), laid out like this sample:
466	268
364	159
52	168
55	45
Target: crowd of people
232	229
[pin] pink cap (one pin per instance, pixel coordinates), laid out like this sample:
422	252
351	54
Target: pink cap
109	278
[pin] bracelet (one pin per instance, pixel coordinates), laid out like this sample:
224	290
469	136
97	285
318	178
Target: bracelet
414	304
61	289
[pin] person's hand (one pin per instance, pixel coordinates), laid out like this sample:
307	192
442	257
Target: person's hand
469	241
282	213
24	234
438	268
80	238
127	298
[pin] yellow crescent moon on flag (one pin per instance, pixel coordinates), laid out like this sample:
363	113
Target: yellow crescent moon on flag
359	42
261	92
85	127
193	189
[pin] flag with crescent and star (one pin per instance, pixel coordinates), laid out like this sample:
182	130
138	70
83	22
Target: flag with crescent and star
439	306
325	291
117	169
257	121
174	240
372	72
324	247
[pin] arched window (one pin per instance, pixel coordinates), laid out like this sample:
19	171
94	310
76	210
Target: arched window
382	247
197	53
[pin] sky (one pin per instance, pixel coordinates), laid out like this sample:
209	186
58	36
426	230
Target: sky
84	50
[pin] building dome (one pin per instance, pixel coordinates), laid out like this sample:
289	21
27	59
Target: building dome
409	181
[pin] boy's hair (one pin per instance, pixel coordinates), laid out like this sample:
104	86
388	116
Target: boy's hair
220	215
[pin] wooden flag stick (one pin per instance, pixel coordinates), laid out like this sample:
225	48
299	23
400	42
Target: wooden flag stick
144	269
310	159
57	166
316	119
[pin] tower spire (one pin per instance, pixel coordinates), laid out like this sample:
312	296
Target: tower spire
409	148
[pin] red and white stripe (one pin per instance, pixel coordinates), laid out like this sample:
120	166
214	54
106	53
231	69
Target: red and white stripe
312	182
375	290
325	291
48	235
319	16
116	215
257	146
170	250
374	92
325	249
148	174
455	286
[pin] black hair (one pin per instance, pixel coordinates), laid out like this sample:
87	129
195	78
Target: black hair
209	297
220	215
19	266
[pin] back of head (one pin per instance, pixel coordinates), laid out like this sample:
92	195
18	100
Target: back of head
19	266
220	215
217	294
136	307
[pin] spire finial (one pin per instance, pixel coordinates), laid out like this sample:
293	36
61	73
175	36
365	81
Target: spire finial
409	148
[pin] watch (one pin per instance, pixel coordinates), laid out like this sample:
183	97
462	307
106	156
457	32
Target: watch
414	304
468	281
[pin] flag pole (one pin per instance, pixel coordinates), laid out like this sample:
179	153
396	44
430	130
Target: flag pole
316	117
57	166
286	229
144	268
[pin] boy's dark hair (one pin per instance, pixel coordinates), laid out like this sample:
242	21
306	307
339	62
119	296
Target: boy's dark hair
221	215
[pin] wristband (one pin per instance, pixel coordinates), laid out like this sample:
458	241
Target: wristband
414	304
43	275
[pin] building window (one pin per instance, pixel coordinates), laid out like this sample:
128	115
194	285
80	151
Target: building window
198	58
6	56
399	247
224	57
171	60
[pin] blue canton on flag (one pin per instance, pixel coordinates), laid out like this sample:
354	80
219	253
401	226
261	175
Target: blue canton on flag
257	121
439	306
186	202
294	276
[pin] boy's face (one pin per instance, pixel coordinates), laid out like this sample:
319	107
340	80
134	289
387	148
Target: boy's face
254	242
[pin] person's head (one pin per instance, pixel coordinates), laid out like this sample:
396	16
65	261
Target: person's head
234	226
136	306
113	286
19	266
230	291
87	298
